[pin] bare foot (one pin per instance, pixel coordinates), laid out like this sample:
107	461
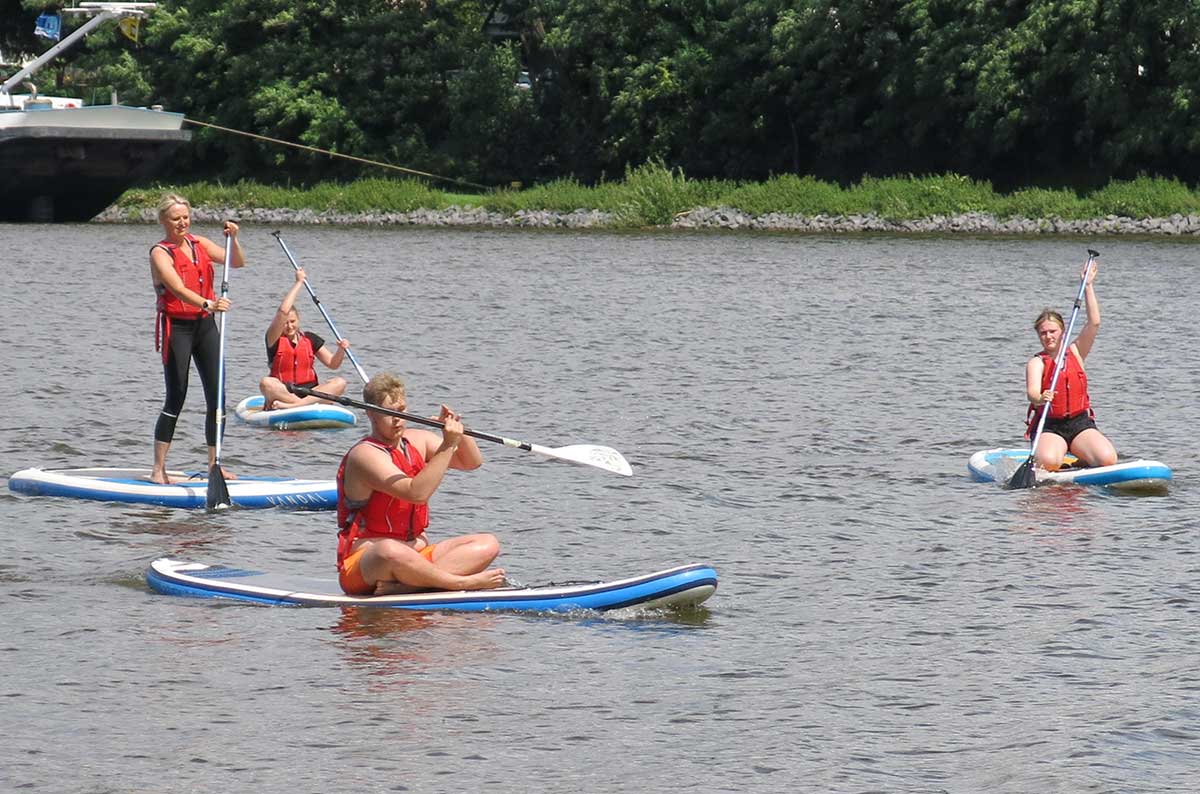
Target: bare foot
394	588
161	478
484	580
227	474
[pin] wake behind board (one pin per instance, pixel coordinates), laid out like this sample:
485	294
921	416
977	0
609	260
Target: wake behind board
684	586
190	490
1146	476
317	416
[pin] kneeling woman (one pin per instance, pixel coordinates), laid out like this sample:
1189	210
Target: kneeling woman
292	354
1070	424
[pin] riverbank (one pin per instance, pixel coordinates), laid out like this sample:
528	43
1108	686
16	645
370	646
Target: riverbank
654	196
1177	225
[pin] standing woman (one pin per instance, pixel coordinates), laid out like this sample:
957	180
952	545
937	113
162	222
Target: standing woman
181	266
1070	424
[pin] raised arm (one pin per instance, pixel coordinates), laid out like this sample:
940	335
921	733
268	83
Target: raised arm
1087	337
275	329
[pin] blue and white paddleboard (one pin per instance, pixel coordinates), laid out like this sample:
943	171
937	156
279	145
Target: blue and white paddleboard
684	586
998	465
190	490
304	417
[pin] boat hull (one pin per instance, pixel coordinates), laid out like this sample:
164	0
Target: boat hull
134	486
992	465
681	587
69	164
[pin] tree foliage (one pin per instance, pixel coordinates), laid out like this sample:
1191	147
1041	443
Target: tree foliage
1015	92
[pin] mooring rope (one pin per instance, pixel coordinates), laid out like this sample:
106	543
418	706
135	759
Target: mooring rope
336	154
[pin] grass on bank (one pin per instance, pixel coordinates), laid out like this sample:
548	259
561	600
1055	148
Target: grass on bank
652	195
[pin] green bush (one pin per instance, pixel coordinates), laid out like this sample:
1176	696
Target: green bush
1042	203
914	198
653	195
789	194
1144	197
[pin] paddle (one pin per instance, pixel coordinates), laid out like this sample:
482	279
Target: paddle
361	373
1025	475
218	492
605	458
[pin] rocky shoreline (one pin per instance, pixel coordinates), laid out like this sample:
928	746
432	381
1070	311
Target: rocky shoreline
702	218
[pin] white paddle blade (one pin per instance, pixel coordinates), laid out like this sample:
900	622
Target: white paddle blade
605	458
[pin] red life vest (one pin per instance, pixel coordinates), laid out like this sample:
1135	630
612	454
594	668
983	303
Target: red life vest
383	515
294	363
1070	393
197	275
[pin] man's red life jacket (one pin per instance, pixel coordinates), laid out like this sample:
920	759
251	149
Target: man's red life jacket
294	363
383	515
195	268
1070	393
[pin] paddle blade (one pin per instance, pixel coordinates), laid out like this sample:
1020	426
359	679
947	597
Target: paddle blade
597	457
1024	477
218	492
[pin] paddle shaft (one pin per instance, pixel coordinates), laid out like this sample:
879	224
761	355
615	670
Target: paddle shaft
317	301
592	455
424	420
221	349
217	495
1063	348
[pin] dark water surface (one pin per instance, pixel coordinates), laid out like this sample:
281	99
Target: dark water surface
799	412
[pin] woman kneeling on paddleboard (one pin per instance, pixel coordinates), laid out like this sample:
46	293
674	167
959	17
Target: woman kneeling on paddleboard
1070	424
384	485
291	354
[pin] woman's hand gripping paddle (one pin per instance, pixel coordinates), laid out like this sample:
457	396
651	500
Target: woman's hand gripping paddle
597	457
1026	474
218	493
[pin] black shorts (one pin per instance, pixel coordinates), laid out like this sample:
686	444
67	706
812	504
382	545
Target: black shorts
1071	426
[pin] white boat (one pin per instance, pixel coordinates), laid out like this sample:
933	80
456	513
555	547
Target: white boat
66	162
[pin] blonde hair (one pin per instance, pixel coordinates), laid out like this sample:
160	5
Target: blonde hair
1048	314
384	387
169	200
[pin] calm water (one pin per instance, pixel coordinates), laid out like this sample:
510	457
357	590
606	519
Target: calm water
799	412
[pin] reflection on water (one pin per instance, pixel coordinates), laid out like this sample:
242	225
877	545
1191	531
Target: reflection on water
367	623
1063	508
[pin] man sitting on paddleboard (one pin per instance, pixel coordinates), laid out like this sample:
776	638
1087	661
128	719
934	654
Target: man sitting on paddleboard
384	485
1070	425
292	353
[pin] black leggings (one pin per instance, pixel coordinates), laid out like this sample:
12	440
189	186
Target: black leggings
190	339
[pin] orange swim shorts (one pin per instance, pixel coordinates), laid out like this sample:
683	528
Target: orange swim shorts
351	579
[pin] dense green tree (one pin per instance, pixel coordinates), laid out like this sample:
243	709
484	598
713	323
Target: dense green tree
1014	91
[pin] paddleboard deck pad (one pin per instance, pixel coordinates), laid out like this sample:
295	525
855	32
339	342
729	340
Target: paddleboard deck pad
318	416
680	587
999	465
190	489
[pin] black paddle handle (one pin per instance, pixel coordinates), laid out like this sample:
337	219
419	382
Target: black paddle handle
305	391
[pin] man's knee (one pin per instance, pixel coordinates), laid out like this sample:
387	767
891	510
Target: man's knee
487	545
